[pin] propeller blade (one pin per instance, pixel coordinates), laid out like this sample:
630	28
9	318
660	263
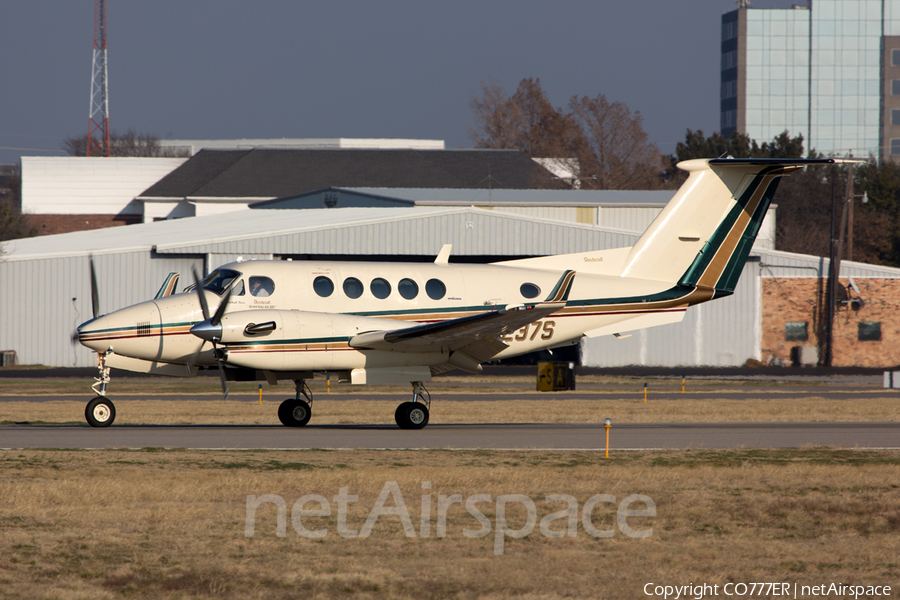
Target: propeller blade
95	296
222	376
203	306
221	310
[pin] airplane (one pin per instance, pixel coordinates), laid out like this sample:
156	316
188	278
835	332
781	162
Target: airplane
395	322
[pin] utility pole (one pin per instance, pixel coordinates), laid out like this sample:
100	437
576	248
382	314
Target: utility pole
830	291
834	260
98	121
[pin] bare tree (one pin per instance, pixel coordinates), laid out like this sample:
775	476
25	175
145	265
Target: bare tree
613	152
129	143
13	224
604	144
526	121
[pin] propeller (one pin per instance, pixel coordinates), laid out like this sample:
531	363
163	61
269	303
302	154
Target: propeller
210	329
95	298
95	295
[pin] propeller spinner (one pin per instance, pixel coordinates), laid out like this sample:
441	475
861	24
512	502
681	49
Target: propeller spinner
210	329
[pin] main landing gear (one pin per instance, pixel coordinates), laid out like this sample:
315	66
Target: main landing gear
414	415
100	412
295	412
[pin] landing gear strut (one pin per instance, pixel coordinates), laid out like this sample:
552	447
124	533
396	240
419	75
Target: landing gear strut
295	412
414	415
100	412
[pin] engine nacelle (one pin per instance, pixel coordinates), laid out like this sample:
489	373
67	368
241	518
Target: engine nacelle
295	340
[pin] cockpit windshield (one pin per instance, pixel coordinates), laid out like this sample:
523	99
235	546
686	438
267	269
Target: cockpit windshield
219	280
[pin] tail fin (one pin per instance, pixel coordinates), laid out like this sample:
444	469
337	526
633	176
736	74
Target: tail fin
704	234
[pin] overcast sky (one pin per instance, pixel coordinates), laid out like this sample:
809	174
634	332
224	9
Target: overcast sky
225	69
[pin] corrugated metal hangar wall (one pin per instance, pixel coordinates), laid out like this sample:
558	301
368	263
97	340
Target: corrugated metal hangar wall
45	282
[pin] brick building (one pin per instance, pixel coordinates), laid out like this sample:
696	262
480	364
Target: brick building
866	322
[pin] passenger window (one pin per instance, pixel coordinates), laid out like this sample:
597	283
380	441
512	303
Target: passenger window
380	288
529	290
435	289
323	286
353	287
408	288
261	287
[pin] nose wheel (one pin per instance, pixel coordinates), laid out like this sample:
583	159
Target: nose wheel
100	412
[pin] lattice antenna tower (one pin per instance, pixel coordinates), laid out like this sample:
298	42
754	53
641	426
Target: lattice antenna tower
98	123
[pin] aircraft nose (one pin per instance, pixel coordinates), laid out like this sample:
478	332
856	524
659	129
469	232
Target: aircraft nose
125	331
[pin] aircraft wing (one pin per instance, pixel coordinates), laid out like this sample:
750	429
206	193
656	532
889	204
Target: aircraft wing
477	338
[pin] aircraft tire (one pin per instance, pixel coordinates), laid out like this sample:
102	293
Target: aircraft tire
294	413
100	412
411	415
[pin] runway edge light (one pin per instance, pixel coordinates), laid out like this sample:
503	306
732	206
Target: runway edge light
607	423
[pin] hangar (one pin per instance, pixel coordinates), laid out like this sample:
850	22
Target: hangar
45	283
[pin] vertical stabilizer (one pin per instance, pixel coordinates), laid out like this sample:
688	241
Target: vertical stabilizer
704	234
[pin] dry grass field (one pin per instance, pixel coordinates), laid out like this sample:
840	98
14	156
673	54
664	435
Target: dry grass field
172	524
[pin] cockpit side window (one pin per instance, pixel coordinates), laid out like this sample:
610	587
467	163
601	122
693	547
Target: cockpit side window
238	289
261	286
219	280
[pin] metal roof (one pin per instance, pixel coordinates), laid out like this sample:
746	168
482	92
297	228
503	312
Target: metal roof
414	230
273	173
777	263
493	197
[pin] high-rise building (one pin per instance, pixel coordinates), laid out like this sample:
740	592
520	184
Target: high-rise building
829	70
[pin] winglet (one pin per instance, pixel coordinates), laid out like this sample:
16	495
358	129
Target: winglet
443	256
560	292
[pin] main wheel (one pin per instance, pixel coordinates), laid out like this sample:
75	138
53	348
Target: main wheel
100	412
411	415
294	413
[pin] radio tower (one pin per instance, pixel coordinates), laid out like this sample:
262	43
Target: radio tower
98	122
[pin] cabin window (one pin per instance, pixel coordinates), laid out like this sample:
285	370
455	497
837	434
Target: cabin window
219	280
796	331
323	286
529	290
380	288
408	288
353	287
238	289
869	331
261	286
435	289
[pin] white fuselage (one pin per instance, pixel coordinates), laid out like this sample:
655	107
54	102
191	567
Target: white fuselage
318	306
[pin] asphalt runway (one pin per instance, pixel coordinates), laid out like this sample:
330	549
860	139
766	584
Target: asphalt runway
632	436
501	394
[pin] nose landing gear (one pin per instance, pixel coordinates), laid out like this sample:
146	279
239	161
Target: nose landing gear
100	412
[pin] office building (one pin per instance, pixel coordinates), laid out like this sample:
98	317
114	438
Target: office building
829	70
